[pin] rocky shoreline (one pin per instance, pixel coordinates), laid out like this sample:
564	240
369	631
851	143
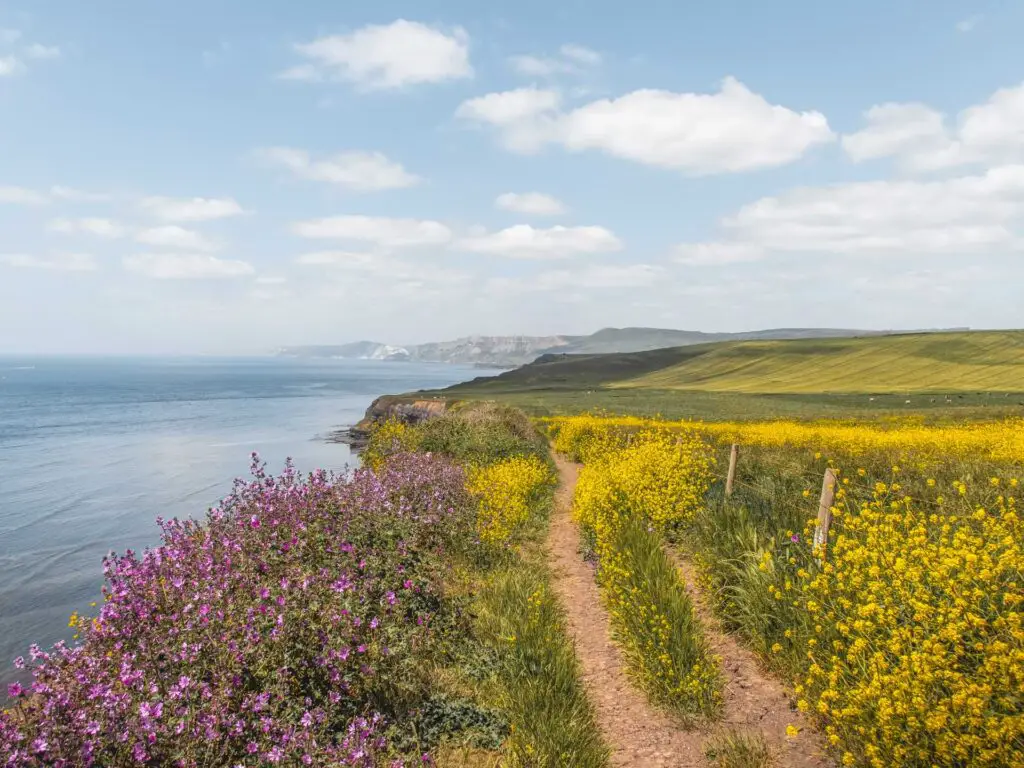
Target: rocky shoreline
385	407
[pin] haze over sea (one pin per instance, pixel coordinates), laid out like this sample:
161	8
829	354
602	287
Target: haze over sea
92	450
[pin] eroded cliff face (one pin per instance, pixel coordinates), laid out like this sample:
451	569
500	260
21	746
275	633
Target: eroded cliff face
390	407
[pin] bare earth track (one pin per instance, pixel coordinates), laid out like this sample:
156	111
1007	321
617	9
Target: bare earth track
640	735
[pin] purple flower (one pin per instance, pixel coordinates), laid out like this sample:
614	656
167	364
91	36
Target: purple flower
795	538
14	690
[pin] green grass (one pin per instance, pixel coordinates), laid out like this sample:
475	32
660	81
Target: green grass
940	376
653	619
947	363
552	718
735	749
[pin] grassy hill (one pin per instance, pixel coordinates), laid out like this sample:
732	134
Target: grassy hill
947	363
962	374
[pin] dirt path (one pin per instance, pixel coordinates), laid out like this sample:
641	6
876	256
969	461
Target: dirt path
640	735
754	701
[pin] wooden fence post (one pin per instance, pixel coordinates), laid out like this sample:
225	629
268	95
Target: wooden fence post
828	496
734	453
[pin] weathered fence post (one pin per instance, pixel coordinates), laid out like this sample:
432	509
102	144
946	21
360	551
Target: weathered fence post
828	496
734	454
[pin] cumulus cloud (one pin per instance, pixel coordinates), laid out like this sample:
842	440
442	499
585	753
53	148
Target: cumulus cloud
61	262
185	266
526	118
920	138
179	238
732	130
523	241
358	171
979	214
530	203
191	209
378	230
105	228
386	56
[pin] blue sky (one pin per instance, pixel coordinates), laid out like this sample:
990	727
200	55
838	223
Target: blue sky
234	176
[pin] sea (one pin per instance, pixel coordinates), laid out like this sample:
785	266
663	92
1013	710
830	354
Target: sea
93	450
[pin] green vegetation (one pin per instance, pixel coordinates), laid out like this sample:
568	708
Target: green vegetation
954	362
736	749
553	722
511	688
964	375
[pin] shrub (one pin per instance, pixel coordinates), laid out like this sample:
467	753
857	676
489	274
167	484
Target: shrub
277	630
507	492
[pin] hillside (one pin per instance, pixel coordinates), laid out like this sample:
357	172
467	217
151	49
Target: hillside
949	363
955	372
511	351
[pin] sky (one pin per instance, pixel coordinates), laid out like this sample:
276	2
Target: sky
224	176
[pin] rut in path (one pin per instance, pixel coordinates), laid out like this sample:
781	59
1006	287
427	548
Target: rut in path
639	734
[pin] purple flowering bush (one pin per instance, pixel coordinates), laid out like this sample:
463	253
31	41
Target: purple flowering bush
277	631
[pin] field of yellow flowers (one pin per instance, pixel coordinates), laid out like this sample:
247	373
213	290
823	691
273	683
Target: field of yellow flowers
903	635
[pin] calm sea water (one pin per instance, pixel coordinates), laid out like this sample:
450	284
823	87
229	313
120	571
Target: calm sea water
93	450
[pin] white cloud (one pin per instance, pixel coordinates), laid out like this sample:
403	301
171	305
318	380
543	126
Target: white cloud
380	230
918	136
271	280
538	66
526	118
69	193
61	262
981	215
710	254
38	51
523	241
408	278
572	59
10	65
335	258
191	209
530	203
185	266
387	56
8	36
20	195
593	277
581	54
172	236
359	171
91	226
732	130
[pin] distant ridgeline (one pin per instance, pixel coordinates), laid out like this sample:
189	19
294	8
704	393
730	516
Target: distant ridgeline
512	351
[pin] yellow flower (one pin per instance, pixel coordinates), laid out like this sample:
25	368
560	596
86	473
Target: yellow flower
792	731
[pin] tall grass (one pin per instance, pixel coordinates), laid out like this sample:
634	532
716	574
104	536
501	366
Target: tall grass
654	621
552	719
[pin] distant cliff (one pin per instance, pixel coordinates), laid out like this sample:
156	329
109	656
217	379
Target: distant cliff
513	351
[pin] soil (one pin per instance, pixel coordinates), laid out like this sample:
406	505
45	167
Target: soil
639	734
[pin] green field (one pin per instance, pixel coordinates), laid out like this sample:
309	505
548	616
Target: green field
946	363
939	375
